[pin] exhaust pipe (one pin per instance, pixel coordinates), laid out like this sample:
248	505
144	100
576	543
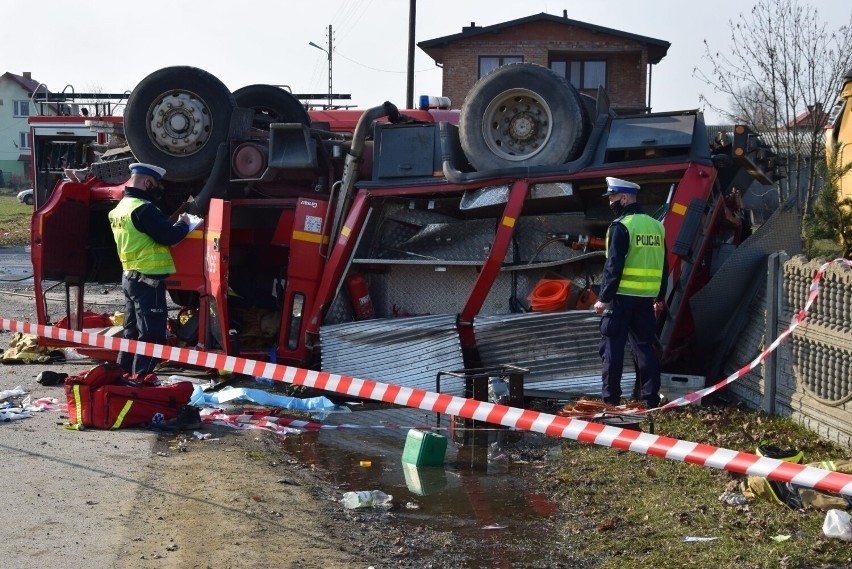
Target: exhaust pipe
352	166
216	185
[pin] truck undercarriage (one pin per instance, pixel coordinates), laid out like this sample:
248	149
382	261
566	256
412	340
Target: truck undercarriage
394	245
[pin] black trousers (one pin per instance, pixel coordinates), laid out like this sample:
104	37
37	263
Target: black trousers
145	319
629	317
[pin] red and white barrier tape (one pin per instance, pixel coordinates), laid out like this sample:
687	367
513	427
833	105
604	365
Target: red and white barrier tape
265	419
522	419
798	318
243	422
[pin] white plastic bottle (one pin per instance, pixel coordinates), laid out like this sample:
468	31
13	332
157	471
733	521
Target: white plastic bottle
365	499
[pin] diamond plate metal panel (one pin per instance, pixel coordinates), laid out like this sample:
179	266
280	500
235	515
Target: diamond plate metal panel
403	351
411	235
424	289
112	171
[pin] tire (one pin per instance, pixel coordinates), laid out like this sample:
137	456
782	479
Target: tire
271	104
545	121
28	200
198	109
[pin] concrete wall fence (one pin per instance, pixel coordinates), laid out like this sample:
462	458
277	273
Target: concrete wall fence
809	376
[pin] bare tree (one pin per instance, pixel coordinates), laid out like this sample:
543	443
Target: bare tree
779	74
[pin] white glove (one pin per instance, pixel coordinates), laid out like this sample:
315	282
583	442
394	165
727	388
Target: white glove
184	218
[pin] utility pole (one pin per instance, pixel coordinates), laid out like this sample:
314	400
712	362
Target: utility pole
409	84
328	52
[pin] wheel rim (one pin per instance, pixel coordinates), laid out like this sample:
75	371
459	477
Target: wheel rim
180	123
517	124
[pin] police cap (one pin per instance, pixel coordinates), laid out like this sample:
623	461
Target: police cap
618	186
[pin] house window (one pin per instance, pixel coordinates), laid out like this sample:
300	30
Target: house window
583	74
488	63
22	109
25	140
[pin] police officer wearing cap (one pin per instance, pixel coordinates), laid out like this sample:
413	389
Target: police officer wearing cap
633	283
143	235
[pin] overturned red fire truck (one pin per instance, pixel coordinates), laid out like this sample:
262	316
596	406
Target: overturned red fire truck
396	244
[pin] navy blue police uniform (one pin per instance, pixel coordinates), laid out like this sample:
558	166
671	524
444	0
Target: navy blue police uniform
630	299
143	234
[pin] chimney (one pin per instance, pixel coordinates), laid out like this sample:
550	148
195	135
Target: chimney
466	29
565	14
28	75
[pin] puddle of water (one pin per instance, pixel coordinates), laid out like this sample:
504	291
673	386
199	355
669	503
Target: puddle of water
478	493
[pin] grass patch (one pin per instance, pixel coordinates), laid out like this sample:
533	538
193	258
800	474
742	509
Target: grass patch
14	219
629	507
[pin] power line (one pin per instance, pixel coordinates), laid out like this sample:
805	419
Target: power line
381	70
346	29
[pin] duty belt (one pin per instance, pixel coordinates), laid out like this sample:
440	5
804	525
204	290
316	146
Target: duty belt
137	276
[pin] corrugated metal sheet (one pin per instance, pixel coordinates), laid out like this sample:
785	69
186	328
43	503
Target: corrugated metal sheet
403	351
732	288
559	348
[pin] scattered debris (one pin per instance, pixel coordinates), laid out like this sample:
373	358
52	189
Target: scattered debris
494	526
48	378
9	393
733	498
366	499
837	524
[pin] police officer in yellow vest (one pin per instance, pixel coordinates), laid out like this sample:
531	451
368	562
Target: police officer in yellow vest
633	282
143	235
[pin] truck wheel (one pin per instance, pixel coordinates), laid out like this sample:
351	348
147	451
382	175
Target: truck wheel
522	114
175	118
271	104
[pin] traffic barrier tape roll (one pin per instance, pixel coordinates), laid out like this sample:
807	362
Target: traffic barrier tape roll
521	419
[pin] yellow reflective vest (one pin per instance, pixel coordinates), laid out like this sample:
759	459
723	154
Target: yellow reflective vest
136	250
643	266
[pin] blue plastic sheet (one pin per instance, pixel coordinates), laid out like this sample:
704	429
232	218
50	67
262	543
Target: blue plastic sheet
261	397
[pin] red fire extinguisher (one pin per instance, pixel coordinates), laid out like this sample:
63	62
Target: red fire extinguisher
362	306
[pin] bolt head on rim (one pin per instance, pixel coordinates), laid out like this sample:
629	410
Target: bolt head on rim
179	123
517	124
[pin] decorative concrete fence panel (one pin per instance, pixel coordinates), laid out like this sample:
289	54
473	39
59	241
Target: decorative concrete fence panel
809	377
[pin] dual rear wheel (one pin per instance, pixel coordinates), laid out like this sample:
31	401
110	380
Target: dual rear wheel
519	115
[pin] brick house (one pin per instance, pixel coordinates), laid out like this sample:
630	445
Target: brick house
587	54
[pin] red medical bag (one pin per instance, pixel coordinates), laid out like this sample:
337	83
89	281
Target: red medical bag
104	398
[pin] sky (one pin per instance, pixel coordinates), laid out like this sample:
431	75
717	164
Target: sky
109	47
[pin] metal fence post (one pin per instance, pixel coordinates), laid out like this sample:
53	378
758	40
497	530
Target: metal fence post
774	309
